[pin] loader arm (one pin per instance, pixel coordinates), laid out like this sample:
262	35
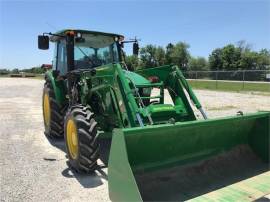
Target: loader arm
176	161
170	78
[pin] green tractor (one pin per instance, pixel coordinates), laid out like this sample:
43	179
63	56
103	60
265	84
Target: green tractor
159	149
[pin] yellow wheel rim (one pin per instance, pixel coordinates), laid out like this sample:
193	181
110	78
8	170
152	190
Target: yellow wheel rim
72	139
46	109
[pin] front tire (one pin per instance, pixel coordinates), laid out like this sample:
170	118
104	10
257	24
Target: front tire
81	139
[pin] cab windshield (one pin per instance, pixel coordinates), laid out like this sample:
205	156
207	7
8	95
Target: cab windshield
92	51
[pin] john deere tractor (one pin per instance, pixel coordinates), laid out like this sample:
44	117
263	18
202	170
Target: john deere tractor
159	149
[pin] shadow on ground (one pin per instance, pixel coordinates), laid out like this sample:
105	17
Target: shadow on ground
89	180
86	180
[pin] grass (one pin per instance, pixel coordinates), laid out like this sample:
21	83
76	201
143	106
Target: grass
4	76
230	86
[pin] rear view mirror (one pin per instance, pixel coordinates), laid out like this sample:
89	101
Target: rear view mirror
135	48
43	42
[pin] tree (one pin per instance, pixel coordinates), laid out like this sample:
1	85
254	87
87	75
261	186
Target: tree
215	59
4	71
169	49
15	71
226	58
248	60
34	70
160	57
243	46
263	59
147	56
231	56
179	55
132	62
152	56
199	63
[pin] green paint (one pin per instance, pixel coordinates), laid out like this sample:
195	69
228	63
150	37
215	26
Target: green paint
58	87
258	186
155	148
122	184
184	82
137	79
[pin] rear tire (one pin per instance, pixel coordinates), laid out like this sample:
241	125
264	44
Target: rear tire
81	139
52	113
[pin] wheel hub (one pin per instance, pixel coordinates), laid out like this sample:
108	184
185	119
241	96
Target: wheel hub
72	139
46	109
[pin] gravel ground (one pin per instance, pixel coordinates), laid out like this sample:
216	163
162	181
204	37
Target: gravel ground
219	104
34	169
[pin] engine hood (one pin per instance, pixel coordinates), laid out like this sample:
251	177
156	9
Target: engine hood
136	78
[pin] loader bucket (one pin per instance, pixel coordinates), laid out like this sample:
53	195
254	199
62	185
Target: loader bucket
225	158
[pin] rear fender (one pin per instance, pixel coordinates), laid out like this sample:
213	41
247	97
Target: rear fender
58	88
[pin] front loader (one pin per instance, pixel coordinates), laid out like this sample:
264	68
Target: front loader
159	150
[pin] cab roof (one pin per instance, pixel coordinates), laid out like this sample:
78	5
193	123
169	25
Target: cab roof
64	31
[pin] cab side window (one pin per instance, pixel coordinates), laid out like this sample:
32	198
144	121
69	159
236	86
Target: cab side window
54	62
62	58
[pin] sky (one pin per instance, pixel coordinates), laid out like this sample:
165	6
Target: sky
204	25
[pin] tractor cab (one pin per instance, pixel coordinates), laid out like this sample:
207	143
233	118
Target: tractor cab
82	49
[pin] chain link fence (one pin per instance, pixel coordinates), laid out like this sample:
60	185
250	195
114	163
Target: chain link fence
253	80
241	75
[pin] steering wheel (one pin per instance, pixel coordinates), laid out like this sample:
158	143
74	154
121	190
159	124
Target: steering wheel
89	62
